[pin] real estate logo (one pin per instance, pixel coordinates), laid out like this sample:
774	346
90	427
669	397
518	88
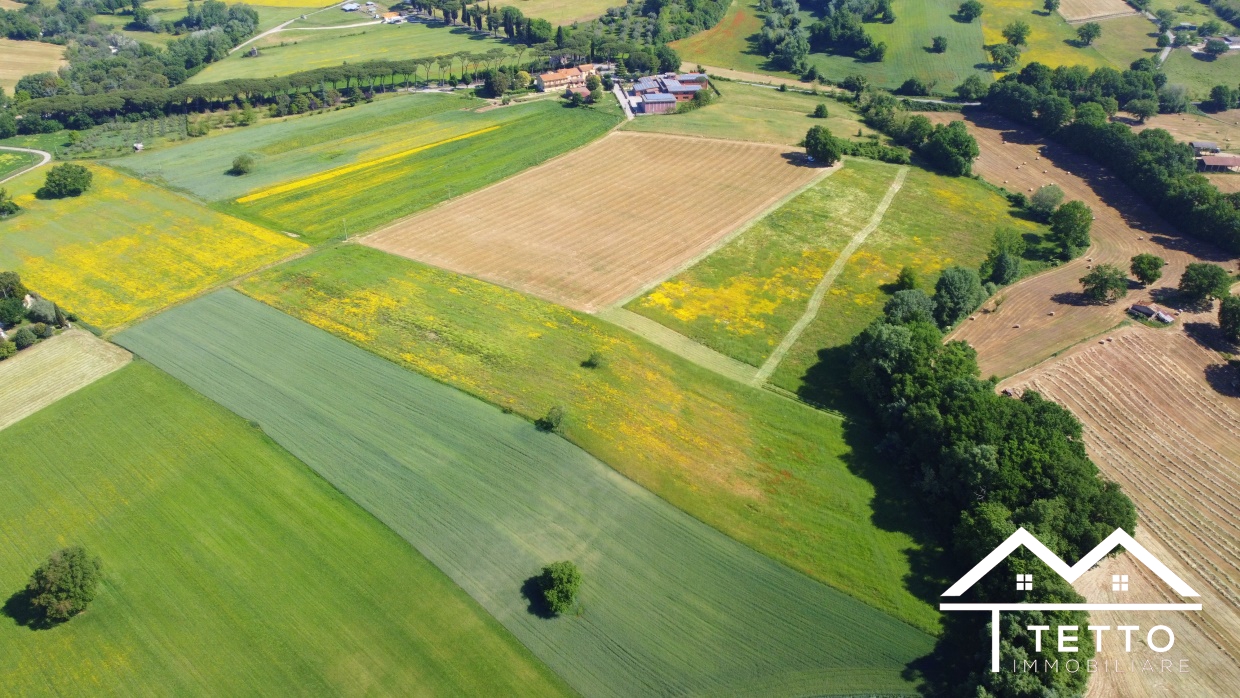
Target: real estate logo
1025	582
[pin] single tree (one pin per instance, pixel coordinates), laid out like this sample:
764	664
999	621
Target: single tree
1070	226
1105	283
958	292
1017	33
906	280
1004	56
1147	268
8	207
1222	98
822	146
1088	32
1044	201
1142	108
560	582
65	180
939	44
820	111
1050	5
855	84
1229	318
1216	47
1006	269
972	89
970	10
910	305
65	584
1202	282
242	164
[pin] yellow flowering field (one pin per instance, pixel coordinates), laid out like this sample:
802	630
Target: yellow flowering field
933	223
1049	36
125	248
743	299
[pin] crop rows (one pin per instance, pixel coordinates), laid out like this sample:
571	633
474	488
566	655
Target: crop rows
46	372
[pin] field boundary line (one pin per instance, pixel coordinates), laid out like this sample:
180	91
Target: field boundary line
719	244
47	157
820	291
685	347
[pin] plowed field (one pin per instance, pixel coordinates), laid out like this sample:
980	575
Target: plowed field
1084	10
1047	314
605	222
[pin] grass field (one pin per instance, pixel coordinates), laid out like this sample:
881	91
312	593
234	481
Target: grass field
539	232
743	299
309	49
934	222
762	114
20	58
767	471
1184	68
48	371
563	11
729	45
126	248
172	10
11	162
1052	41
229	567
668	604
1126	39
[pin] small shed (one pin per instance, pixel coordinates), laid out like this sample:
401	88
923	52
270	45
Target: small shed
1144	311
1202	147
1219	163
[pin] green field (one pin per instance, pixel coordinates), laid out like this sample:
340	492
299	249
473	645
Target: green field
126	248
293	51
749	113
730	45
934	222
744	298
1052	41
353	170
1126	39
229	567
766	471
172	10
11	162
1182	68
668	604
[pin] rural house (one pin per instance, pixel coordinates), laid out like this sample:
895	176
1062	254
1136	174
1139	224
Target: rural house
658	103
565	77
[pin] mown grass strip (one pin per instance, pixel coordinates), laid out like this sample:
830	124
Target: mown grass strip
669	605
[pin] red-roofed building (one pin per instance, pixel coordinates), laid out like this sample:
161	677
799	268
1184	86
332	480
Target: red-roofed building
565	77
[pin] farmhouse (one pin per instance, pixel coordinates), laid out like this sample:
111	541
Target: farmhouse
566	77
391	18
658	103
1219	163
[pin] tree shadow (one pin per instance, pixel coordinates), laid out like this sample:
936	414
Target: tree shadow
1224	378
20	608
1209	336
532	591
1073	298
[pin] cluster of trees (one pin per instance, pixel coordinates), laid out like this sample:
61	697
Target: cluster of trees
37	322
949	147
1223	97
654	22
842	30
783	40
508	19
989	463
1070	222
1072	105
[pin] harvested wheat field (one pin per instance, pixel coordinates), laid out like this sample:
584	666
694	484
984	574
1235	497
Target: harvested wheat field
1162	418
21	58
605	222
1046	314
1085	10
1222	127
1226	182
50	370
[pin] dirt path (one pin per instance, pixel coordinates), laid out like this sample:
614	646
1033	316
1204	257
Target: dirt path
820	291
47	157
281	27
680	345
1046	314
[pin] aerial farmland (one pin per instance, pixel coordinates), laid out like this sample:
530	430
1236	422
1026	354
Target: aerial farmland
756	348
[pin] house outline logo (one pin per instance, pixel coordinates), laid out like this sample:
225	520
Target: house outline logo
1070	573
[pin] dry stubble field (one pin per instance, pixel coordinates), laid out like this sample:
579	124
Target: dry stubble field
1222	127
1085	10
1162	417
1046	314
596	226
50	370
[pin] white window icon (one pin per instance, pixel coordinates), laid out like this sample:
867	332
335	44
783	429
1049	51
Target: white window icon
1119	582
1024	582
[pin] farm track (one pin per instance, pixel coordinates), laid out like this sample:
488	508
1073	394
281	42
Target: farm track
52	369
556	232
1154	424
1047	314
46	158
680	345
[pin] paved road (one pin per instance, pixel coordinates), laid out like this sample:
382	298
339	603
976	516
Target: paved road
47	157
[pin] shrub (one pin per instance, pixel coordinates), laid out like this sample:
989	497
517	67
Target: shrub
1044	202
560	582
1229	318
1018	199
907	279
11	285
65	584
972	89
1147	268
65	180
11	311
958	292
7	349
552	421
1105	283
914	87
40	330
820	111
242	165
42	310
7	206
24	338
